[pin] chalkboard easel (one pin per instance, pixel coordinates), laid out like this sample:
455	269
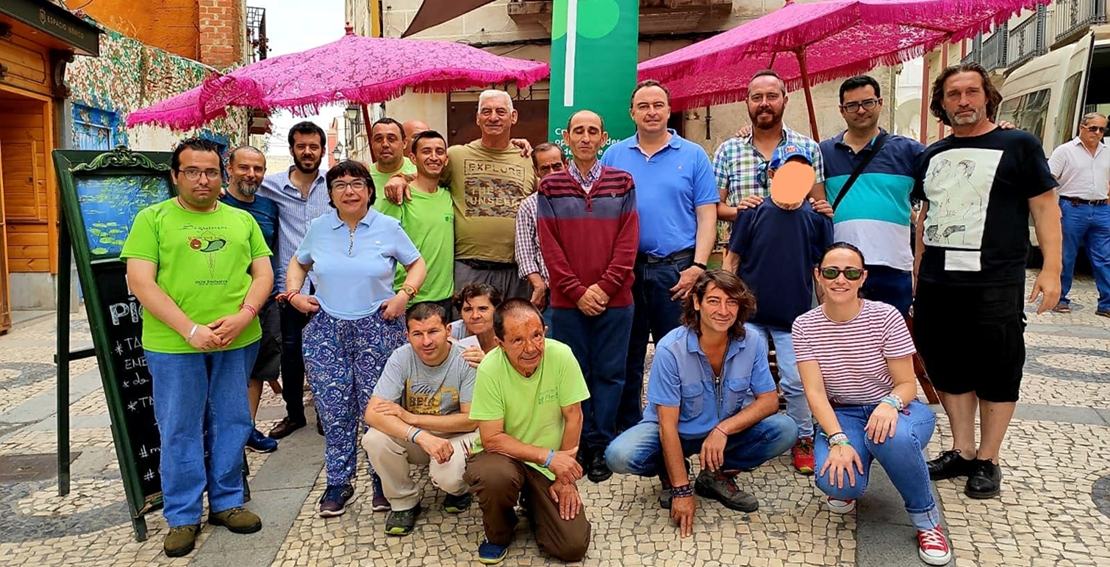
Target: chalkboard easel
100	195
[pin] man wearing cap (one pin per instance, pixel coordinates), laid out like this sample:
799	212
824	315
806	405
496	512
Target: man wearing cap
775	247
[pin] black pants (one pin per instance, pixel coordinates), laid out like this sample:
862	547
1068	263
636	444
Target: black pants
292	361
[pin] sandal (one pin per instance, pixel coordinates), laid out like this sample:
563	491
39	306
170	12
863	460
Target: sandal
1062	308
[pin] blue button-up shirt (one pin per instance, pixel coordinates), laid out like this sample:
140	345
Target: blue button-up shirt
682	377
294	213
354	269
670	185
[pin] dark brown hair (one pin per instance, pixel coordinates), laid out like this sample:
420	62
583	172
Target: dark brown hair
353	168
733	287
426	310
936	105
512	306
470	291
646	84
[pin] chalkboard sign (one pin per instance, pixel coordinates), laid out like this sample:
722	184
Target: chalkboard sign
100	195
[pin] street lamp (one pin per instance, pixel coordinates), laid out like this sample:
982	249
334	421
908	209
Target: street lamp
337	153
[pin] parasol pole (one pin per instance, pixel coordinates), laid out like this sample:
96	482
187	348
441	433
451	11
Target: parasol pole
801	54
366	122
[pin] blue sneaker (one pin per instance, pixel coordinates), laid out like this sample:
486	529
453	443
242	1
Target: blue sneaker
334	501
259	443
491	553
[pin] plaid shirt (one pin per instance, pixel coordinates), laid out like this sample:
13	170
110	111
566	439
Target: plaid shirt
528	257
588	181
741	170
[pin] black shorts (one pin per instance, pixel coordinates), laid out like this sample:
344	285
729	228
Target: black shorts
972	338
268	363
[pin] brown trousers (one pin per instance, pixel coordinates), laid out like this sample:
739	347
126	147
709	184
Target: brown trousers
499	481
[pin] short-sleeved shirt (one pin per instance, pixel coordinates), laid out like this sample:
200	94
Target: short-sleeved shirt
682	377
295	214
423	389
737	165
976	229
354	269
1081	175
875	214
670	186
265	213
381	204
429	220
778	250
203	264
853	354
532	407
487	187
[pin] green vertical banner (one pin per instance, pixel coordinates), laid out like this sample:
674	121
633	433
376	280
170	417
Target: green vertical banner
594	51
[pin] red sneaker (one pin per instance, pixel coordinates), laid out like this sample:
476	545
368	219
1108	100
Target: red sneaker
803	455
933	547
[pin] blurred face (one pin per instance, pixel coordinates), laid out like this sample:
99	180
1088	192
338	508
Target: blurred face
429	339
246	171
495	117
198	178
351	196
847	274
854	108
718	310
548	162
1090	138
307	152
477	315
585	136
389	145
430	157
524	342
766	102
965	99
650	110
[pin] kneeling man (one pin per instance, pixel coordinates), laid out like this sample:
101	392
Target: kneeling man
694	412
419	413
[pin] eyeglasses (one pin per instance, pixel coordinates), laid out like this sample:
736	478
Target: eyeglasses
1096	129
854	106
850	274
194	174
357	185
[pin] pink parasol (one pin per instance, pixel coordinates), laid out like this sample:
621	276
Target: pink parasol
821	41
354	69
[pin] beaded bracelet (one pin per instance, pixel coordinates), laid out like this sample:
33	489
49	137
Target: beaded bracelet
683	491
550	456
894	401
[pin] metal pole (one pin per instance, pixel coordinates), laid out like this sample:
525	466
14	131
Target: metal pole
62	358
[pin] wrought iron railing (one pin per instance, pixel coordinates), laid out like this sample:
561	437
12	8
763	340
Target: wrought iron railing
1027	39
256	33
1073	17
994	49
975	54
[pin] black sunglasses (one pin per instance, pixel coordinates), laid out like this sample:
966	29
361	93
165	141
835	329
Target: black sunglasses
850	274
1096	129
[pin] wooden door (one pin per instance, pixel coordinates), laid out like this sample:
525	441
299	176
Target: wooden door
5	303
531	121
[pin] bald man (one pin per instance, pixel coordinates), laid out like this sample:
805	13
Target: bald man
412	128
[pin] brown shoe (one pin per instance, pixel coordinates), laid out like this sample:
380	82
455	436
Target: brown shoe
180	541
238	520
1102	313
1062	307
285	427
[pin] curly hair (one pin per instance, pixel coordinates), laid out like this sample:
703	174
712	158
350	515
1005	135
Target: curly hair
733	287
470	291
936	105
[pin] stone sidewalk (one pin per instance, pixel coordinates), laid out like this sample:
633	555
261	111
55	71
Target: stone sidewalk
1054	509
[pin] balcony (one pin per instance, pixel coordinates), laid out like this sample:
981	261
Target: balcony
1027	39
975	54
994	49
656	16
1074	17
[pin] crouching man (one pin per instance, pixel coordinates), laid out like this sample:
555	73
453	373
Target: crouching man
419	414
694	412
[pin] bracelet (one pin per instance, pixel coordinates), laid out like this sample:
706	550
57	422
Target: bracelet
700	265
192	332
417	432
408	289
408	432
290	294
550	456
249	308
894	401
683	491
838	439
718	428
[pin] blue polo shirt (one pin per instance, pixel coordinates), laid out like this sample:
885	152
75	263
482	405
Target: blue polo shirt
681	377
669	186
354	273
875	215
265	213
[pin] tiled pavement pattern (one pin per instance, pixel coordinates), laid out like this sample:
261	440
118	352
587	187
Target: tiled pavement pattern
1054	509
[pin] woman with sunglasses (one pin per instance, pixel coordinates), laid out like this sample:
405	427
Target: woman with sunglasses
357	320
855	359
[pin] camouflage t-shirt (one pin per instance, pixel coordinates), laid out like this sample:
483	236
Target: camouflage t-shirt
487	187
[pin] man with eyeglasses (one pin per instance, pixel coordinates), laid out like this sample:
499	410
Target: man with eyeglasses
1082	166
547	158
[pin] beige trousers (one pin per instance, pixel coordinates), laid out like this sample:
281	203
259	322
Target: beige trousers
391	458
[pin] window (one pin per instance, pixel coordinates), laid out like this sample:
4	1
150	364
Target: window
1065	121
93	128
1028	112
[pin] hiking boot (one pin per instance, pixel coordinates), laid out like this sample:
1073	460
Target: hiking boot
285	427
597	470
402	523
453	504
722	488
237	520
259	443
334	501
803	455
379	503
950	464
932	547
984	481
180	541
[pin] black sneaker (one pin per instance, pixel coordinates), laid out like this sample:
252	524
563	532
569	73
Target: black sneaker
334	501
950	464
984	481
401	523
598	471
457	504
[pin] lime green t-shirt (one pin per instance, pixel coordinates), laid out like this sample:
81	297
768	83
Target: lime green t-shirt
532	407
429	220
203	265
381	204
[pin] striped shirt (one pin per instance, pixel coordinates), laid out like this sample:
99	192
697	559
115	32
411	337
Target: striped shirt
853	354
294	213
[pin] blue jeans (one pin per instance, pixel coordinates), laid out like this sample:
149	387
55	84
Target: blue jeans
891	286
200	402
1087	225
639	450
655	314
900	456
600	344
797	408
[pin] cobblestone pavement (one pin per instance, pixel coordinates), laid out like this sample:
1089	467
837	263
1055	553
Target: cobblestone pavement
1054	509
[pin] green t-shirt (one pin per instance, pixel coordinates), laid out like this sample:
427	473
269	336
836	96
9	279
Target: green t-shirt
532	407
203	265
381	204
429	220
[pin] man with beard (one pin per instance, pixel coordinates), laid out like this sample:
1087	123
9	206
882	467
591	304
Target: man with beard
393	155
246	168
301	195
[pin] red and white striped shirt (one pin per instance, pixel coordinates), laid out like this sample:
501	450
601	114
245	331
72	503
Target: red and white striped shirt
853	354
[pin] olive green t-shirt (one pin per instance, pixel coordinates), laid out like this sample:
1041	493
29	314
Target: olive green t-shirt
487	187
381	204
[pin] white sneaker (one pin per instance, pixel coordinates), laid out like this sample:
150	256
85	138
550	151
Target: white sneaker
841	506
932	547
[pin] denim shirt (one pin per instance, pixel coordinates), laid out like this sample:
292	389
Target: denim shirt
682	377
